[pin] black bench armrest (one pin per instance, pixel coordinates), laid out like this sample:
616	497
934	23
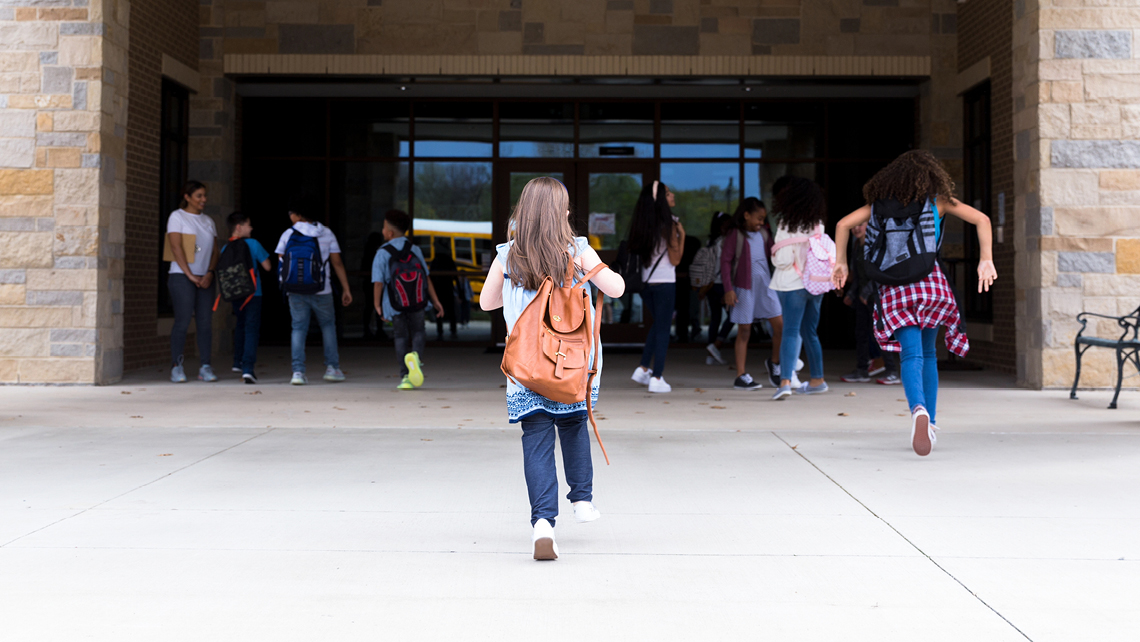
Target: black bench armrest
1129	323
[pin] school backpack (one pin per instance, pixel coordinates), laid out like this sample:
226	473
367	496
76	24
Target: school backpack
819	262
407	287
302	271
236	274
549	349
902	242
629	267
701	269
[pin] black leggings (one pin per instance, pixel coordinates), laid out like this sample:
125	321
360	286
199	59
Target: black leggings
191	301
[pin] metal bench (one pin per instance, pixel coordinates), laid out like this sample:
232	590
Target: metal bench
1127	346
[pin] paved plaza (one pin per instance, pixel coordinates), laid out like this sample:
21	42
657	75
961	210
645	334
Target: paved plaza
148	511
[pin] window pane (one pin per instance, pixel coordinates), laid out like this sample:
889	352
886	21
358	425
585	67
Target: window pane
700	130
612	198
536	130
782	130
453	191
453	129
700	190
615	130
759	177
370	129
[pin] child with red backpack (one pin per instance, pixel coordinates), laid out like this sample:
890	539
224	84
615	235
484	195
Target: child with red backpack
400	268
237	276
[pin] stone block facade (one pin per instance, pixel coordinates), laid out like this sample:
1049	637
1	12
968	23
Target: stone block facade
63	120
1077	148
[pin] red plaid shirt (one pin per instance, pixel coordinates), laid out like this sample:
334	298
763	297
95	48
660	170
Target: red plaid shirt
926	304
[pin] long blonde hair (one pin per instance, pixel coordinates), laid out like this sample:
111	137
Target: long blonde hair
540	229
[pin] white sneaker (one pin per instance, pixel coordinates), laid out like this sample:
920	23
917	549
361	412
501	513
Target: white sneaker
585	512
709	361
298	379
641	375
657	384
545	548
799	364
715	353
796	383
922	437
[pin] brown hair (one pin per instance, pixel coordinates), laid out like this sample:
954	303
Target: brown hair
540	229
915	175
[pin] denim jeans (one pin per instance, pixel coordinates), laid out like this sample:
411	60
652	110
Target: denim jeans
408	327
247	333
657	299
301	306
191	302
919	366
538	462
801	318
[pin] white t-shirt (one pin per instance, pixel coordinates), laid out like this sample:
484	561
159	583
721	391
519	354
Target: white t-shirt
665	272
325	238
204	231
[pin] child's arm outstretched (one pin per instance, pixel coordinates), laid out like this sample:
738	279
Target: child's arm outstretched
607	280
842	235
986	270
491	296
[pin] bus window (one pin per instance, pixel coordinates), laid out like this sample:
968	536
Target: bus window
464	250
484	252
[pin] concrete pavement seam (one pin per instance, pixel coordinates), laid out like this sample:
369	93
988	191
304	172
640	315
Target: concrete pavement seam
904	537
128	492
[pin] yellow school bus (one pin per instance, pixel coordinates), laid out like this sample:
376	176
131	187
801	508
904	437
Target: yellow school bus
470	242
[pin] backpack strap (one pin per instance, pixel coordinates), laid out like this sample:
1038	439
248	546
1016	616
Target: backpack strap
795	240
597	339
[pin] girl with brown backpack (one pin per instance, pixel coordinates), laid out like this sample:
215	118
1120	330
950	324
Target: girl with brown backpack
543	263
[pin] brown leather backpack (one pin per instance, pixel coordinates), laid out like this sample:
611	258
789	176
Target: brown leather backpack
548	351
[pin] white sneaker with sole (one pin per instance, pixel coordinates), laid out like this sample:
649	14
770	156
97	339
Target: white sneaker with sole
641	375
714	352
657	384
585	512
922	437
542	537
298	379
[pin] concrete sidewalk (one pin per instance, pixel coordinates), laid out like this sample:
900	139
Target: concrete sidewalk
354	511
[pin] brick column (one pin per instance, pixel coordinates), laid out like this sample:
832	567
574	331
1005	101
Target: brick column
63	89
1076	69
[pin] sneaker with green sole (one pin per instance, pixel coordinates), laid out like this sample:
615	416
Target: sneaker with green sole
405	384
415	369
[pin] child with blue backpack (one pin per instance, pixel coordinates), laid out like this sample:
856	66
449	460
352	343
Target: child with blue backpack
399	267
907	203
305	252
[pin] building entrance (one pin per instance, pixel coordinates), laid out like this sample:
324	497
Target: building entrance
458	166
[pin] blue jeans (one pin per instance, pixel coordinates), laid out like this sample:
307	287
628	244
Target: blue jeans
538	462
300	308
247	333
919	367
801	318
658	299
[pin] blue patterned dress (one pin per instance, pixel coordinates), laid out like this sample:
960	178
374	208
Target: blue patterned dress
522	402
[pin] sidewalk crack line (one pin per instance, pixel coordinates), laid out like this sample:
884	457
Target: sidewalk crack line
904	537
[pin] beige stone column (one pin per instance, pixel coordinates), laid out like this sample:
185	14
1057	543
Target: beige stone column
1076	131
63	91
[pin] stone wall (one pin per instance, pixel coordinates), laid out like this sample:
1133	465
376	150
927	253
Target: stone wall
63	118
1077	149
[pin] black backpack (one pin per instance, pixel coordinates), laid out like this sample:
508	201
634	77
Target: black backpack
902	242
407	287
236	274
629	267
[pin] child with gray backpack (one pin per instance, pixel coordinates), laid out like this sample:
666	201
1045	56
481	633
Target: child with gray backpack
907	202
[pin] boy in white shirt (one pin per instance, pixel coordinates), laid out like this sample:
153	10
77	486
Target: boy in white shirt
303	305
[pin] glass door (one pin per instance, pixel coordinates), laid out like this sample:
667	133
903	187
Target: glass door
607	193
